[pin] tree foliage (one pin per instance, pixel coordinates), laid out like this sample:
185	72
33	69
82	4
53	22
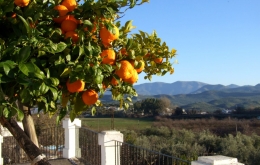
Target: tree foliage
153	106
37	60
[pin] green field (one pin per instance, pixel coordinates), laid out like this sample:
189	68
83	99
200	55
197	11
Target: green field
100	124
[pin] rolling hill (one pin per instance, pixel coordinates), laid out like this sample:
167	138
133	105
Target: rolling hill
178	87
198	95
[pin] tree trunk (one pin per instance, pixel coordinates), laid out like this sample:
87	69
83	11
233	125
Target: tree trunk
24	141
28	123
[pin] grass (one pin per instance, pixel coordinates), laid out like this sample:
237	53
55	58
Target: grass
100	124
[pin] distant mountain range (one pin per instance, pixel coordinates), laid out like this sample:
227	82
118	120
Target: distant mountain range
186	87
199	95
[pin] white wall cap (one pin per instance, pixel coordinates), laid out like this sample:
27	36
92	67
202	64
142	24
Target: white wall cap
199	163
218	160
66	123
108	138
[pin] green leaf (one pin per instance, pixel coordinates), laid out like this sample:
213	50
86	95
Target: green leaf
55	81
47	72
43	88
60	47
79	105
6	112
31	69
54	93
129	99
87	22
28	29
72	115
99	79
132	3
66	72
24	54
25	96
7	66
20	114
93	111
143	1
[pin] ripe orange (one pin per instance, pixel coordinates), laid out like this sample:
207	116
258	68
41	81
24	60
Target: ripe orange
108	56
132	79
72	18
59	19
13	15
114	81
68	25
73	35
63	10
33	24
108	36
76	86
147	55
66	17
123	51
126	70
141	68
104	86
70	4
158	60
21	3
89	97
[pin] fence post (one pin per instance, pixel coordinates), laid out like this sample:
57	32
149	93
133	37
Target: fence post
215	160
71	149
110	142
1	159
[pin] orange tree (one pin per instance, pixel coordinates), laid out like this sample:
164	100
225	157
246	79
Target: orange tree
52	50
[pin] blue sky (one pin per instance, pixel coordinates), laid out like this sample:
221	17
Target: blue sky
217	41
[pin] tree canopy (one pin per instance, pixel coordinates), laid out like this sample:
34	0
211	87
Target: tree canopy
45	46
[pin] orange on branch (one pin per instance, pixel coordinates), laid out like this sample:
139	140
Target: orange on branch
68	25
114	81
72	18
70	4
123	51
108	56
66	17
104	86
21	3
109	36
59	19
133	79
90	97
76	86
13	15
126	70
158	60
63	10
73	35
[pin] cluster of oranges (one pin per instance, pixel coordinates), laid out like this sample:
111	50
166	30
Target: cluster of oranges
126	73
21	3
68	22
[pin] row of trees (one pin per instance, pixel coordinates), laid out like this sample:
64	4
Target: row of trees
188	145
153	106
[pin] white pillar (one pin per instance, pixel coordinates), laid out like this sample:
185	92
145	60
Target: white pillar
71	149
216	160
1	159
110	149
